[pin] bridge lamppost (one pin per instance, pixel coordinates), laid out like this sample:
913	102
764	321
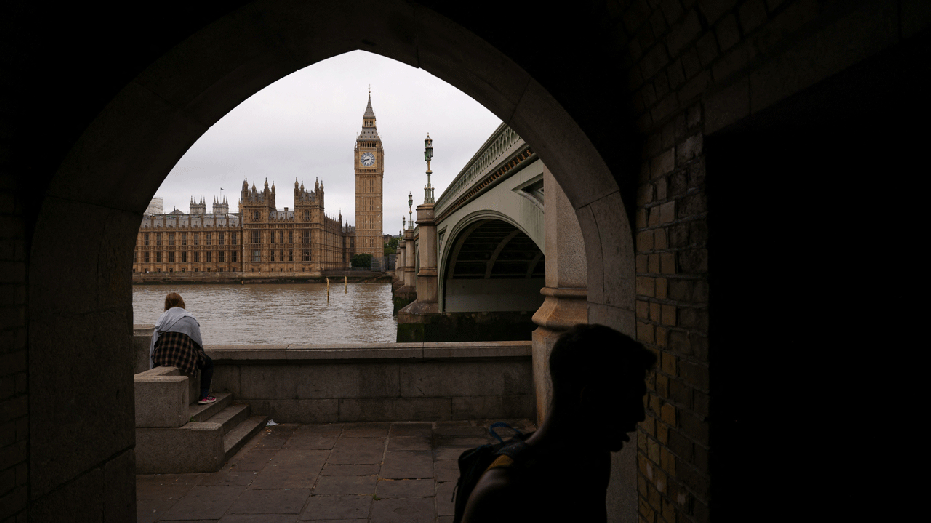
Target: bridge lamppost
428	155
410	204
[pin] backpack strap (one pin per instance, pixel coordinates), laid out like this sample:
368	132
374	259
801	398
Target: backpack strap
502	461
518	453
499	424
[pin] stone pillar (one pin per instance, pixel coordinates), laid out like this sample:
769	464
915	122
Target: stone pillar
426	277
409	254
399	263
565	304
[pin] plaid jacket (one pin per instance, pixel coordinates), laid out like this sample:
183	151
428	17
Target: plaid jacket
175	349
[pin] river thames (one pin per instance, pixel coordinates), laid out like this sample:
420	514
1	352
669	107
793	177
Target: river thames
278	314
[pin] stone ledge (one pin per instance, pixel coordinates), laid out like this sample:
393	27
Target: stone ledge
369	351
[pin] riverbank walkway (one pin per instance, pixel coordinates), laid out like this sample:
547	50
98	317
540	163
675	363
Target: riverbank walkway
348	472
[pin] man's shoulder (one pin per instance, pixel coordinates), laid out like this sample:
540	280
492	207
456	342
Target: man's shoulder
494	496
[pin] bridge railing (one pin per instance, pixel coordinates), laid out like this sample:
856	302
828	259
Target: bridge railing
497	148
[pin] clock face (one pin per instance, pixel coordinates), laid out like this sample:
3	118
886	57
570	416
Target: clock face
368	159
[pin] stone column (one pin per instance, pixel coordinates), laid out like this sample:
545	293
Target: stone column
565	304
426	277
409	259
399	263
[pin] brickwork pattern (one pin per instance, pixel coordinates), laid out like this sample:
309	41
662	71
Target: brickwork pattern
692	68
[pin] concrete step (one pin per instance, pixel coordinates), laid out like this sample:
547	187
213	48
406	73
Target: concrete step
218	431
241	434
205	412
231	416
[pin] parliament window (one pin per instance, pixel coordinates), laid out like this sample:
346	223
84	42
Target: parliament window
233	256
158	257
306	255
206	238
206	256
271	237
158	238
221	256
256	237
256	256
145	257
183	257
146	241
183	238
233	238
271	255
290	236
171	238
196	256
196	236
221	239
171	257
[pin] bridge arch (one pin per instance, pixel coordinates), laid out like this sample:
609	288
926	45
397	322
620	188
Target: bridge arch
516	261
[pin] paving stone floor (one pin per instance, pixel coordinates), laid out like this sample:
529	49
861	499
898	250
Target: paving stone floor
347	472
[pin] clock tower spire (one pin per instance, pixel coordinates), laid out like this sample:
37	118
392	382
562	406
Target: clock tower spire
369	169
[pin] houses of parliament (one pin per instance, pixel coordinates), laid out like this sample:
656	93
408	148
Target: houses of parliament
262	240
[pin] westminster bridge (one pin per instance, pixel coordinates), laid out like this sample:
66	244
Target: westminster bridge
486	260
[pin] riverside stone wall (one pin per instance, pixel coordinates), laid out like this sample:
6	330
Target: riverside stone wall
379	382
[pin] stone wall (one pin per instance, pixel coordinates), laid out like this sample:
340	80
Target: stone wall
379	382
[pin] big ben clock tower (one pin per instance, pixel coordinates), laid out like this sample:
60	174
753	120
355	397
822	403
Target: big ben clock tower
370	169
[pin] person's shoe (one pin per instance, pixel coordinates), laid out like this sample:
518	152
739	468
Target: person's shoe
207	400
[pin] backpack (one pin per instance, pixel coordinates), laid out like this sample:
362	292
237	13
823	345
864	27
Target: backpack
474	462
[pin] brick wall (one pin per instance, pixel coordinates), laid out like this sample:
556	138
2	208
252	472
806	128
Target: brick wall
696	68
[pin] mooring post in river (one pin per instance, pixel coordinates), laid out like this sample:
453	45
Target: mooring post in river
328	291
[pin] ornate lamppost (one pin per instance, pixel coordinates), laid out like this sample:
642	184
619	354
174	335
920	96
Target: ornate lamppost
428	155
410	204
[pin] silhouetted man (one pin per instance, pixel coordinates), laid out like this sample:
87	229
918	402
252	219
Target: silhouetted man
562	473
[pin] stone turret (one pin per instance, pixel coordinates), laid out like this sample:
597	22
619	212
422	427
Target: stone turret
220	208
198	208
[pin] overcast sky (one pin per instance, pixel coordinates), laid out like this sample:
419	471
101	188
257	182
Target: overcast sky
304	126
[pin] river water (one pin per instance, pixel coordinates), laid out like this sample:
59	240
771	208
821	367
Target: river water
278	314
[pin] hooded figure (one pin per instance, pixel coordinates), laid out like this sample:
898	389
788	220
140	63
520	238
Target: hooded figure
177	342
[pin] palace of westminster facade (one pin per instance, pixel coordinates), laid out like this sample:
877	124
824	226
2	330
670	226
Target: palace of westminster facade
260	239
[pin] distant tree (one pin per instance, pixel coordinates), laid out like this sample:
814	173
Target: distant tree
362	260
391	246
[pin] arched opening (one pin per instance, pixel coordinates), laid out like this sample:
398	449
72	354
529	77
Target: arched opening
493	250
114	168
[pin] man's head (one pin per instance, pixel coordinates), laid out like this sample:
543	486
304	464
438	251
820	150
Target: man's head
173	300
599	373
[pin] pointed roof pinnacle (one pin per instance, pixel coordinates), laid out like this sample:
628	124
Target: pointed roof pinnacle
369	112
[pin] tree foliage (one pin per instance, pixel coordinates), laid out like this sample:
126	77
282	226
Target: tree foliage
391	246
362	260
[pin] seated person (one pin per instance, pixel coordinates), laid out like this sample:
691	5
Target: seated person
176	342
562	472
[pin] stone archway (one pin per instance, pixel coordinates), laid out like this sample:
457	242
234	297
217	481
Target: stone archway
91	209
